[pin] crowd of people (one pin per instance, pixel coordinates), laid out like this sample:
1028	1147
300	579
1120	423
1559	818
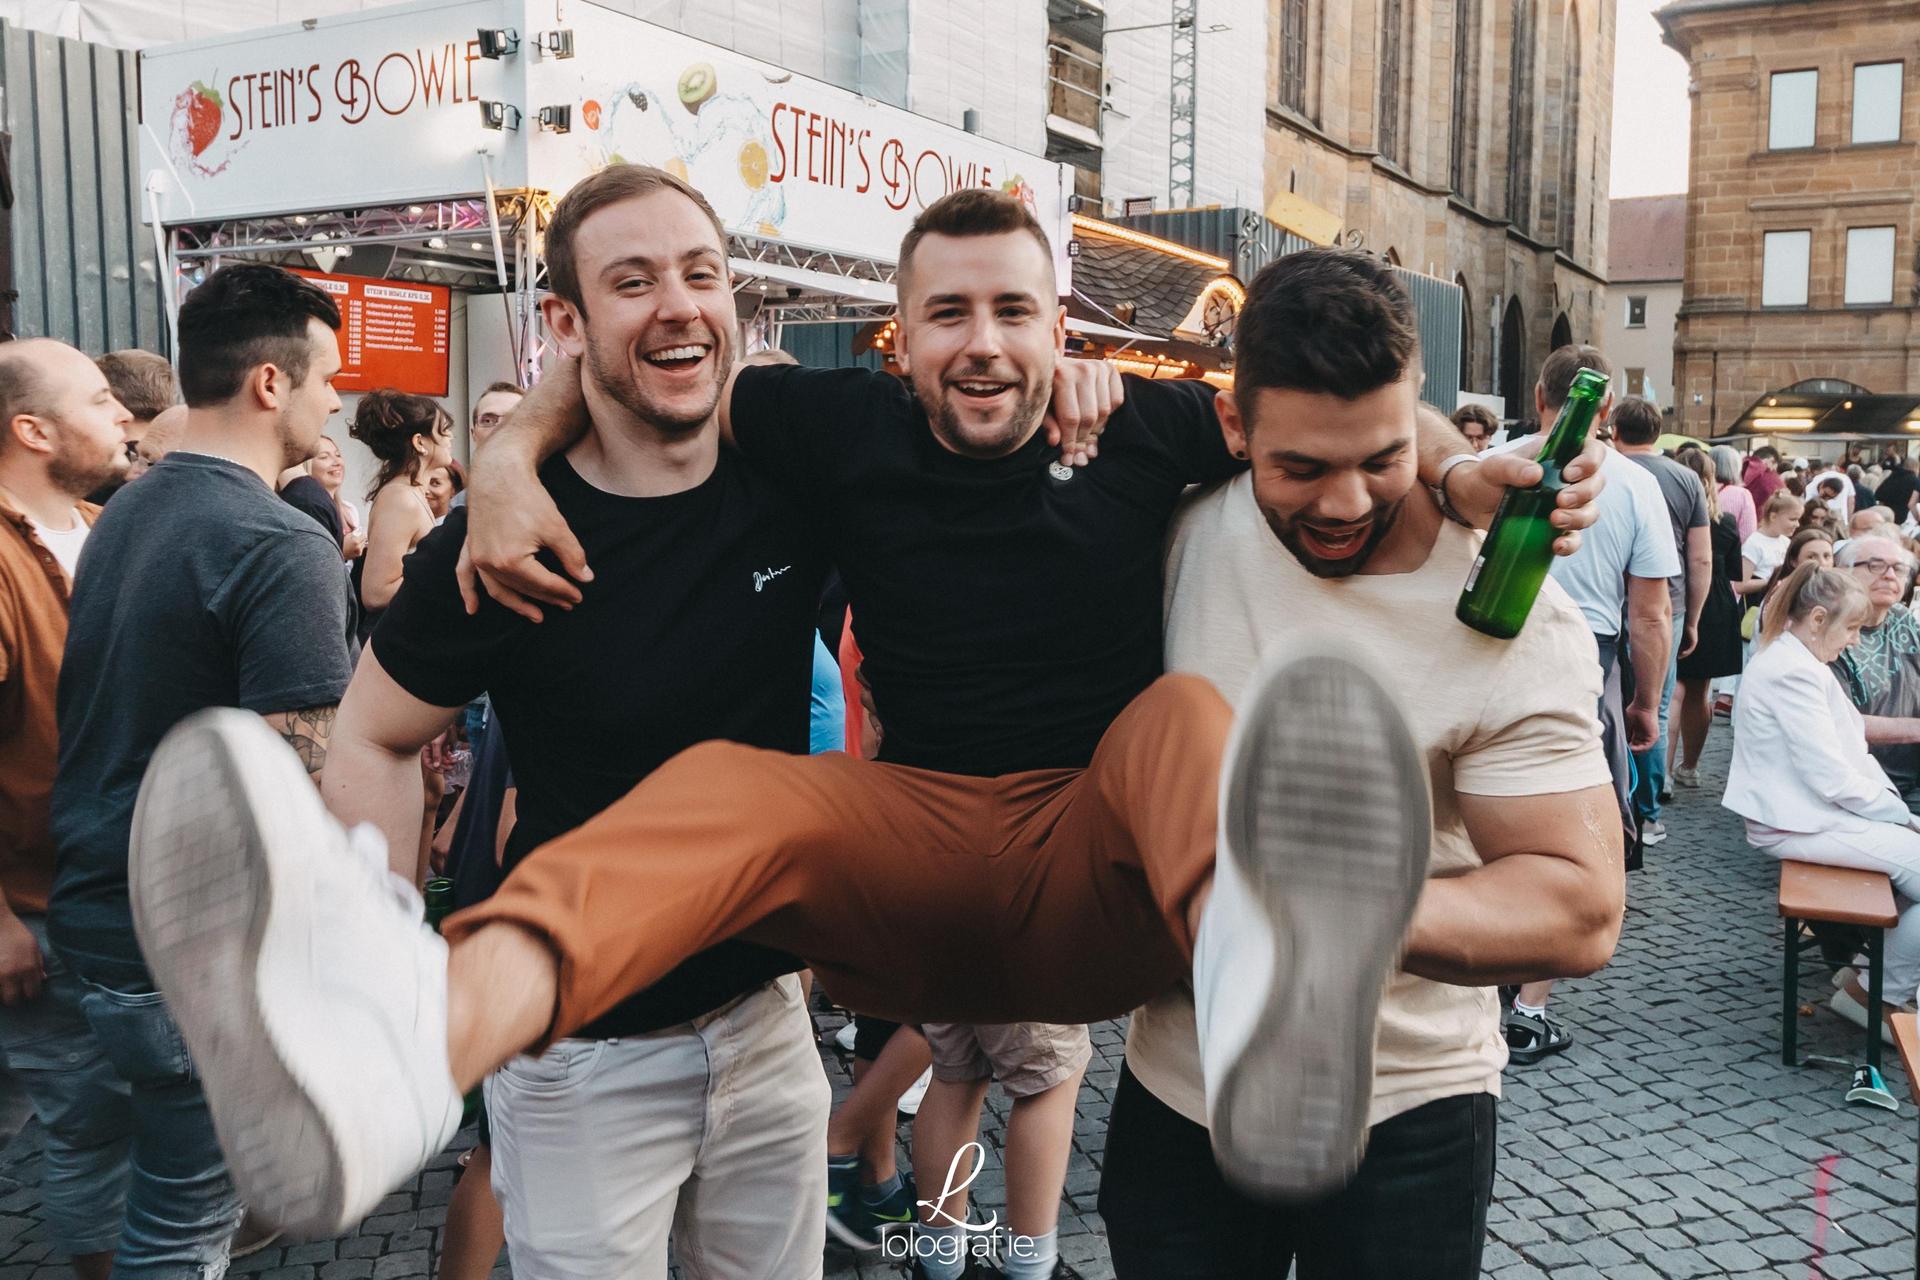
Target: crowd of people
995	699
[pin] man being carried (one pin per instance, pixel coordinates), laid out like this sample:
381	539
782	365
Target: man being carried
1059	795
1330	539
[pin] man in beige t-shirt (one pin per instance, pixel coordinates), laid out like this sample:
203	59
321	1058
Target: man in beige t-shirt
1329	543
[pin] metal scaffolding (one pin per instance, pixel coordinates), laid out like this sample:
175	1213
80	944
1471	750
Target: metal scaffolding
1185	72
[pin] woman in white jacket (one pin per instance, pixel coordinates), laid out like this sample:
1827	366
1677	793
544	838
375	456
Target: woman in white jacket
1801	775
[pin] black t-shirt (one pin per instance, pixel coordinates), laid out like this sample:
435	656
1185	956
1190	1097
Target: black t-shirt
304	493
698	625
1896	491
1006	614
198	588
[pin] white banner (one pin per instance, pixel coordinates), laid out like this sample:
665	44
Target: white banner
382	107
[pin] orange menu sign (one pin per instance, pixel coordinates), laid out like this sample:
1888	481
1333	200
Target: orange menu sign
392	333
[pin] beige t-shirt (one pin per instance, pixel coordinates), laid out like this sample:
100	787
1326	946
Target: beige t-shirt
1495	717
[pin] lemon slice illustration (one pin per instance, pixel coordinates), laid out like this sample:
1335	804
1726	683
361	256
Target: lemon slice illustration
753	165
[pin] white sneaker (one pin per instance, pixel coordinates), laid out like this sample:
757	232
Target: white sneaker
311	996
909	1104
1324	833
847	1036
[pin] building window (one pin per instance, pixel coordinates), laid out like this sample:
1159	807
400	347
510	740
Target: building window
1520	120
1876	101
1466	97
1636	381
1869	266
1783	268
1790	109
1393	26
1636	313
1570	134
1293	55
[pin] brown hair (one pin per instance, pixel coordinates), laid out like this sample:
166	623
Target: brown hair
612	185
1476	413
972	211
1779	502
386	422
1556	375
1698	463
1636	420
141	381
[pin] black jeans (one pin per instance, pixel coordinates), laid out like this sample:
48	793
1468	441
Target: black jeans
1417	1210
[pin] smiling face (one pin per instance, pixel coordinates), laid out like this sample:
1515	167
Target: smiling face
980	333
73	420
655	328
329	465
1331	475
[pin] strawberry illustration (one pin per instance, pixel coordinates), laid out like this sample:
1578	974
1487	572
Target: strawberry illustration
202	109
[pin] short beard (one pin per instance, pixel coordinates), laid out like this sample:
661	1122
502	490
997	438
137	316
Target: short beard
1384	518
945	420
77	477
614	377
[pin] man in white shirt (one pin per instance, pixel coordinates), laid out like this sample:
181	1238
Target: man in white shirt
1329	541
1622	570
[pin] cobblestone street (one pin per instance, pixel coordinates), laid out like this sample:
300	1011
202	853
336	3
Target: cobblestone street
1669	1142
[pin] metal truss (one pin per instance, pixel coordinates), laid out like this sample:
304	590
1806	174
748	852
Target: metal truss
829	312
777	253
1185	74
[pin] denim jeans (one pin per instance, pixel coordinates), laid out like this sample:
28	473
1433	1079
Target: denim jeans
1651	765
57	1062
1417	1210
181	1207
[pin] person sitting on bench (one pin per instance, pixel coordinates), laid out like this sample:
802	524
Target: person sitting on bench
1801	775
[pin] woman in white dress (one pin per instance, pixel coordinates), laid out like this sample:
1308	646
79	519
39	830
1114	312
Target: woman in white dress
1801	776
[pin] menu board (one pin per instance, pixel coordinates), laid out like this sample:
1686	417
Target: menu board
392	334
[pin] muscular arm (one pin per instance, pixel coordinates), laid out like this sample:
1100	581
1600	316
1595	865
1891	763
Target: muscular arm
1475	488
309	731
1649	637
1546	904
373	770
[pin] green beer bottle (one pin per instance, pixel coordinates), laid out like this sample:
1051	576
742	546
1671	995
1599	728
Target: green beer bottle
1513	560
439	896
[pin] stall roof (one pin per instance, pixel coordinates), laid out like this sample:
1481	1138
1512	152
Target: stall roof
1133	285
1829	409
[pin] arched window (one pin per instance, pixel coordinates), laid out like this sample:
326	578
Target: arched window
1465	381
1393	37
1463	160
1562	333
1570	133
1516	385
1393	256
1520	122
1293	55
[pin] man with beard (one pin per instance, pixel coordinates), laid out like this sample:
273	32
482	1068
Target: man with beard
1328	539
60	437
200	588
1037	840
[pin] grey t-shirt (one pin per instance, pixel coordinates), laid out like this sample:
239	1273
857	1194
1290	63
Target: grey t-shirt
1686	509
198	588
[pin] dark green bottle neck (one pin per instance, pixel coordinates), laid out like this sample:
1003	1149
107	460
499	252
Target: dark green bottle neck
1569	434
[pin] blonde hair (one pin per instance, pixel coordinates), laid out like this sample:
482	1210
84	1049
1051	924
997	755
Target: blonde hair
1807	588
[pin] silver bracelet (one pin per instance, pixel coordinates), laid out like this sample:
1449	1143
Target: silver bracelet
1447	508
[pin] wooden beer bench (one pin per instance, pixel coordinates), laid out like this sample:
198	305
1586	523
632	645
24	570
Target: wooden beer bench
1831	895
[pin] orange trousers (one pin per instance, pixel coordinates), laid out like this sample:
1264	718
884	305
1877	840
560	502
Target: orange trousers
1053	896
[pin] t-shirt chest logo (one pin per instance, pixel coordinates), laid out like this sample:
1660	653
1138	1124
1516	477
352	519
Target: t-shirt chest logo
761	577
1060	471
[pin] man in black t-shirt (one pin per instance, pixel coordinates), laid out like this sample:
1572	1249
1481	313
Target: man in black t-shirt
698	626
202	589
1037	840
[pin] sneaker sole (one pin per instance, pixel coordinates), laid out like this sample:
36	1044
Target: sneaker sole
209	856
848	1236
1334	845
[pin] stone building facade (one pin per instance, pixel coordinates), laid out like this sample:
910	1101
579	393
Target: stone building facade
1801	227
1468	139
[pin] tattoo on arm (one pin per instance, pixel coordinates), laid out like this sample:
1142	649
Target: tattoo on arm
308	731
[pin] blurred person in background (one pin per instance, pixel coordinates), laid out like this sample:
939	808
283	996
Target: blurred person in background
60	438
1717	651
144	384
444	484
1477	423
489	411
1734	498
1761	476
410	435
329	468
